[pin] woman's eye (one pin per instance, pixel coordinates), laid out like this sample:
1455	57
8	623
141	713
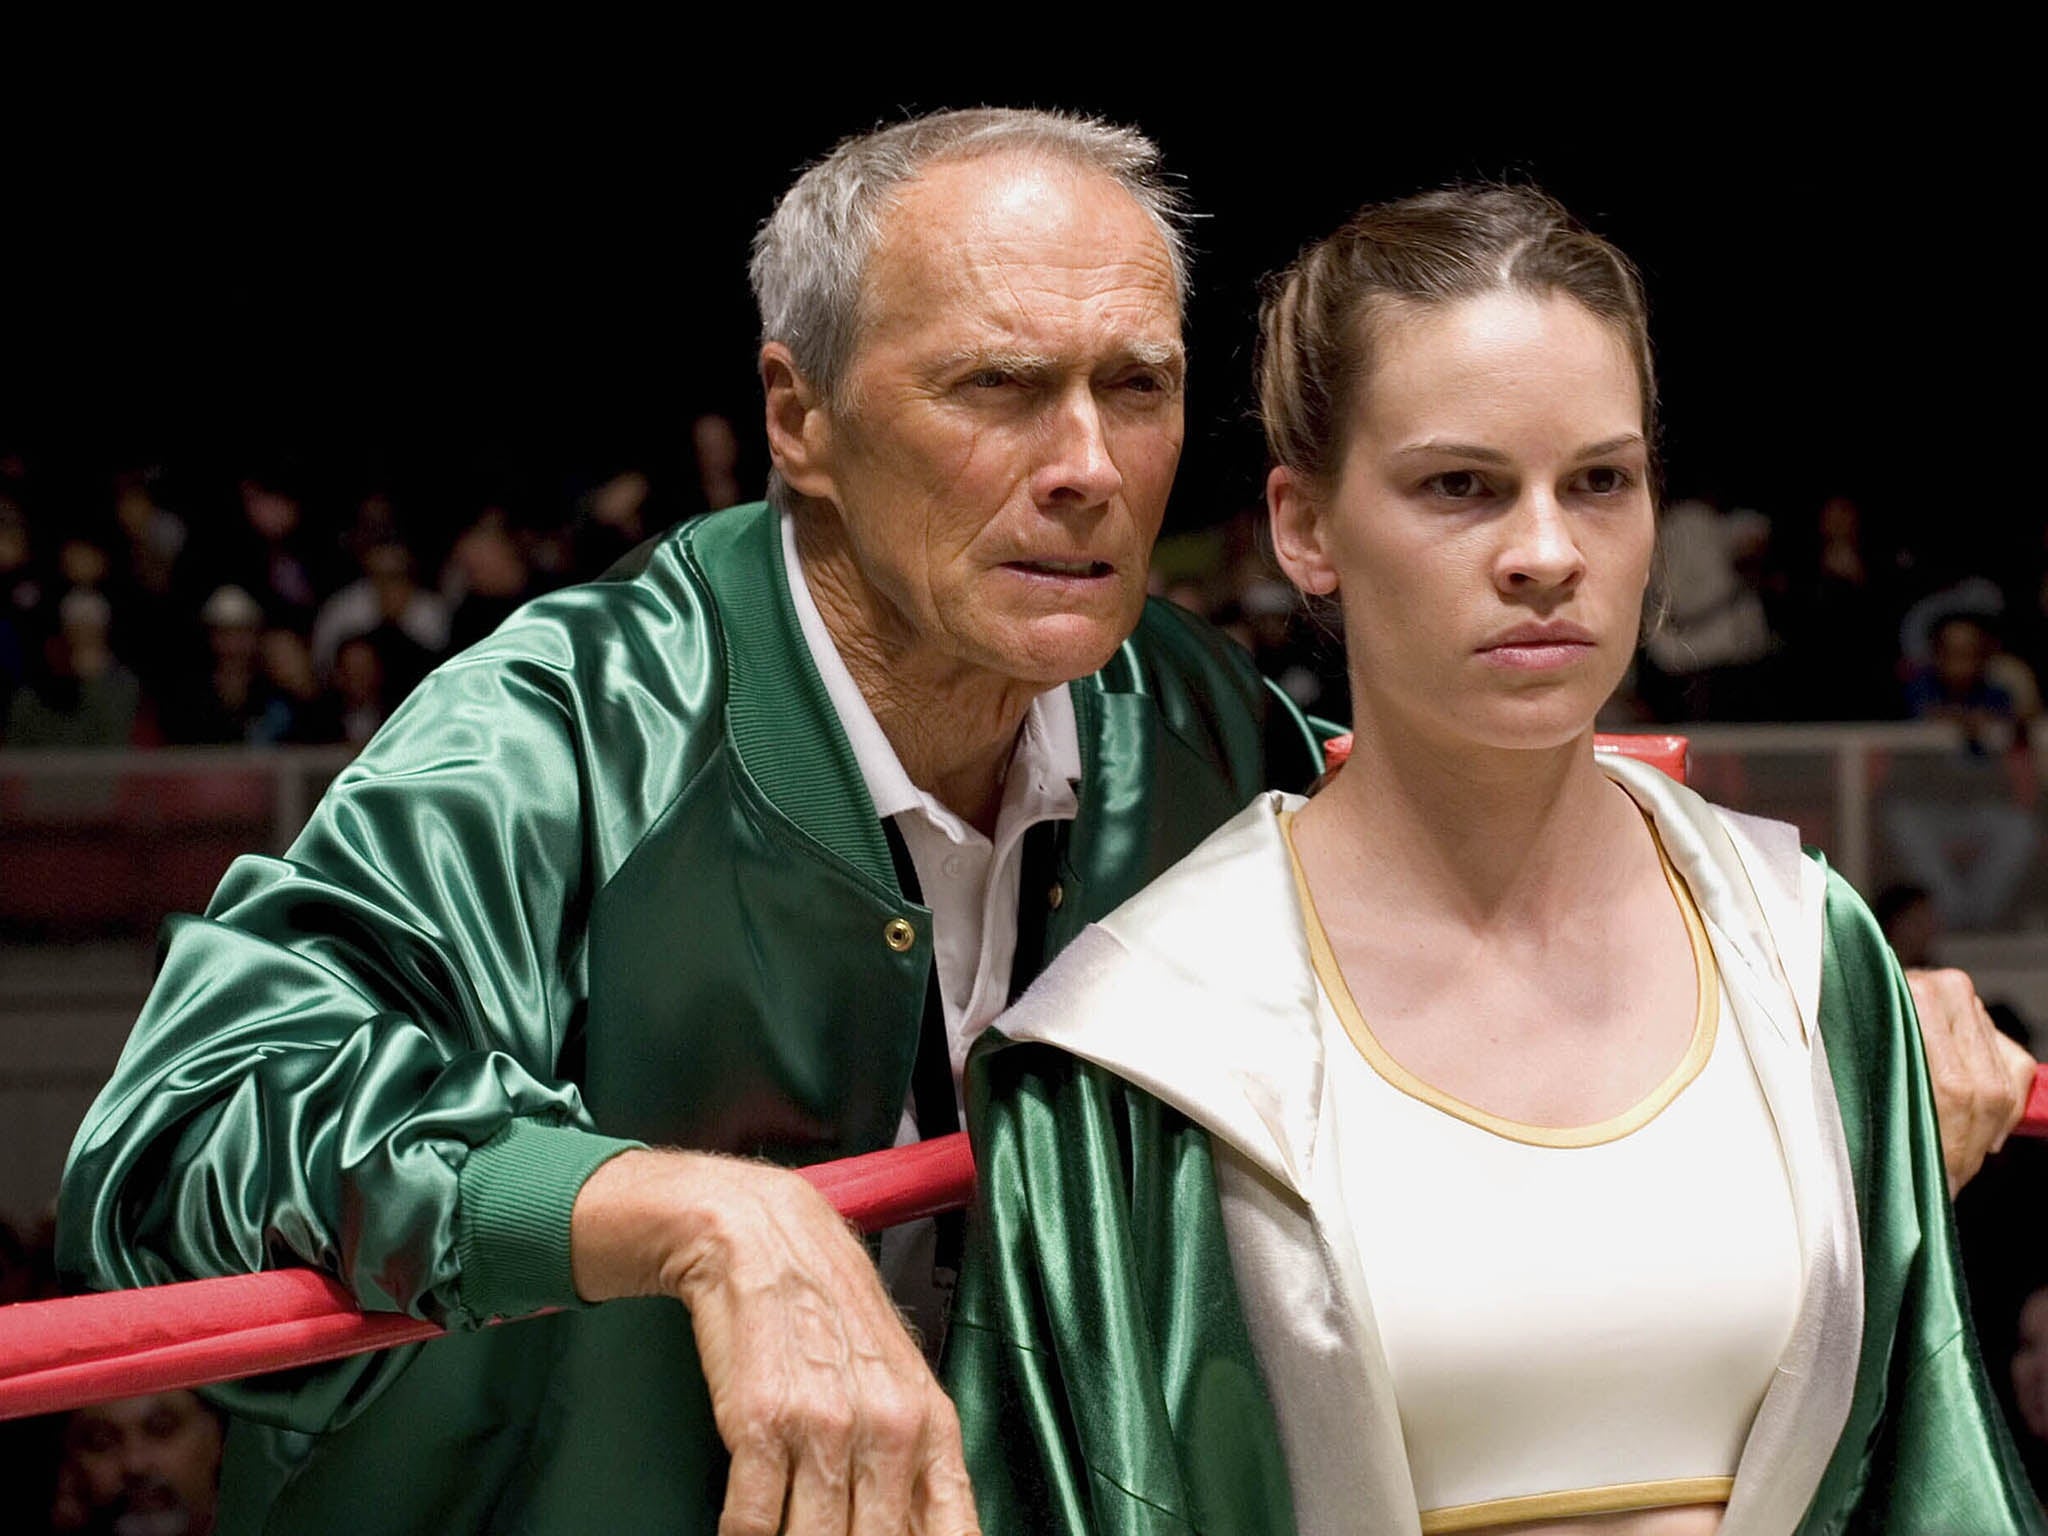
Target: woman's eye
1457	484
1605	479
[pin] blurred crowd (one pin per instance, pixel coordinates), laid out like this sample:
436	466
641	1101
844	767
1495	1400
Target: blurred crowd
270	616
1751	619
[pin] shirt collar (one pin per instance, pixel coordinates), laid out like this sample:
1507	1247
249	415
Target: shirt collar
1048	747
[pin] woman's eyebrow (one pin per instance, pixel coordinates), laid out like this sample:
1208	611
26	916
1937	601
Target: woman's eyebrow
1457	451
1611	445
1485	455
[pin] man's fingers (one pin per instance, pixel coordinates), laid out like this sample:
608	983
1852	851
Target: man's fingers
756	1488
821	1494
944	1504
882	1491
2017	1064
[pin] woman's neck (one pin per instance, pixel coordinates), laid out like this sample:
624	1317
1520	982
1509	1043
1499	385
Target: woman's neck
1487	839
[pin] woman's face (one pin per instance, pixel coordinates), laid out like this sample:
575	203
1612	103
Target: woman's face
1490	531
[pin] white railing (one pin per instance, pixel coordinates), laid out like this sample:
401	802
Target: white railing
1833	781
47	785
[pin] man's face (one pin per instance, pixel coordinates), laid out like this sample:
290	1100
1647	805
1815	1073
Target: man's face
1001	453
146	1455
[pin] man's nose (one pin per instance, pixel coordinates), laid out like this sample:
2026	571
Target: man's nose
1077	469
1540	548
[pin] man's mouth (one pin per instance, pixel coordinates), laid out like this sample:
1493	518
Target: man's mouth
1067	569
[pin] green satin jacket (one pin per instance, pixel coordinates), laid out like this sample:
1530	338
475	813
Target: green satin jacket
609	877
1108	1383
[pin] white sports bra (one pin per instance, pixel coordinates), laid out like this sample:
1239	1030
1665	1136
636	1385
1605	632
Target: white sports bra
1576	1321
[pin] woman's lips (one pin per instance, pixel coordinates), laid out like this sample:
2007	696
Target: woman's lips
1537	655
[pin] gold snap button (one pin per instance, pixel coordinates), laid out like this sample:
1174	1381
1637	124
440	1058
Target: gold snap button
1055	896
899	935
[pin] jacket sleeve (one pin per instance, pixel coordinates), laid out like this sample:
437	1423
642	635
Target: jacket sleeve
1926	1448
1097	1353
351	1060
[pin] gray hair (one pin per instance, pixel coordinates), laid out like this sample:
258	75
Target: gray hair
810	257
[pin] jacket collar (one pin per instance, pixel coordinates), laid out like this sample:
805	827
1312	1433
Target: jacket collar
1244	1052
779	713
780	719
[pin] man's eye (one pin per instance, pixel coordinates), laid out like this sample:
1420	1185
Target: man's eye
989	378
1144	383
1456	484
1605	480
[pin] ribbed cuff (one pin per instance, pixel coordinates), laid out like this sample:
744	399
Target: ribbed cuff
514	1197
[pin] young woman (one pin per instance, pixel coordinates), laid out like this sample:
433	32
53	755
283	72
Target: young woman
1504	1139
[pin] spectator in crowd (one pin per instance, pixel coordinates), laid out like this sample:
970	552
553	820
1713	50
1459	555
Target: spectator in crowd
407	622
297	712
153	539
226	700
612	518
360	694
271	556
1964	826
717	449
83	696
142	1466
153	614
82	566
1839	626
1707	657
485	579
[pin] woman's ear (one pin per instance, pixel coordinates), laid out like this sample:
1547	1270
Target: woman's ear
1298	533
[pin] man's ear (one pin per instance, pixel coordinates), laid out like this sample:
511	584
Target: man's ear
799	425
1297	525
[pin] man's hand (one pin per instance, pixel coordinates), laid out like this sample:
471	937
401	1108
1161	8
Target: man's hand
835	1424
1981	1076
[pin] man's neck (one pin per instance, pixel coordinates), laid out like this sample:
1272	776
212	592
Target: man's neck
953	727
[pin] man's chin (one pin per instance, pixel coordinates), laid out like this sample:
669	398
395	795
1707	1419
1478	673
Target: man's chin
1047	650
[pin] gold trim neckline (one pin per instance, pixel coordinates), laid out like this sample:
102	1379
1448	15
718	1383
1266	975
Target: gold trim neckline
1706	1024
1612	1499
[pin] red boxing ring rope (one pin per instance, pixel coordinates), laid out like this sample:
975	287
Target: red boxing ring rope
58	1355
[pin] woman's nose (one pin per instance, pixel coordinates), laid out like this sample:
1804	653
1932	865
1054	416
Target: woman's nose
1540	549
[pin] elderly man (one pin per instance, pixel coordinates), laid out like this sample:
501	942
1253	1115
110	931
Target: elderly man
733	851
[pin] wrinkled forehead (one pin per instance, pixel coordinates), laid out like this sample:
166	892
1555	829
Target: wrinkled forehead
1013	242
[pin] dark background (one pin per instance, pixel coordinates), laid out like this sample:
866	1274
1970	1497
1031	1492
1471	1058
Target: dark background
480	281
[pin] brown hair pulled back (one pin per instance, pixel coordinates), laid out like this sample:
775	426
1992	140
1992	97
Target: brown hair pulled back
1317	325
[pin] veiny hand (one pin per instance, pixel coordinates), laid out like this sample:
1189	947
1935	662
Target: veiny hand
836	1425
1981	1077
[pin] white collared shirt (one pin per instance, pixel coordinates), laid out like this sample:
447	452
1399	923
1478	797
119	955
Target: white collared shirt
969	881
